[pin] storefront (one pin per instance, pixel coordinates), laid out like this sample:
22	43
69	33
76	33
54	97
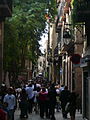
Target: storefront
85	64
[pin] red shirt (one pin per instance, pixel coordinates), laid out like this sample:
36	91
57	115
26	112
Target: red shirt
3	115
43	96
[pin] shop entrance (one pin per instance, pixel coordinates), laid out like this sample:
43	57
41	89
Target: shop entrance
85	95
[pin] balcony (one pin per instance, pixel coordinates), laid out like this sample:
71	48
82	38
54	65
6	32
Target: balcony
58	27
63	18
68	48
5	8
68	41
66	10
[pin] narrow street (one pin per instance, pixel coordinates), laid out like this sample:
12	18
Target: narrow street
45	59
58	115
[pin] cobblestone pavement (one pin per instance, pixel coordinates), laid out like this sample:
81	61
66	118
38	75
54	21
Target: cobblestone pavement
35	116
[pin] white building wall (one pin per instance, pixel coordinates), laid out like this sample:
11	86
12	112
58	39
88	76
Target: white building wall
41	62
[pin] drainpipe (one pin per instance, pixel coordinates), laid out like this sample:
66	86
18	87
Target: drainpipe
89	88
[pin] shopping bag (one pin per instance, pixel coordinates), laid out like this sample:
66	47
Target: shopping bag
67	107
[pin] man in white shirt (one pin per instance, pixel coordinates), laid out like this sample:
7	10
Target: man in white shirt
10	99
61	88
29	91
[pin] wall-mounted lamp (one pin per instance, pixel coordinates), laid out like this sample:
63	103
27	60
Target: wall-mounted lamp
67	33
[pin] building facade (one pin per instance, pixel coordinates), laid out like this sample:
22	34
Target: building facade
74	32
5	11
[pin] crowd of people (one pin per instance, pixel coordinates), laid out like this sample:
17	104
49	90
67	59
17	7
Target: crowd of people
40	97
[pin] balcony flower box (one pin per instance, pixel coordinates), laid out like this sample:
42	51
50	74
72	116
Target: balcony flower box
66	9
63	18
68	1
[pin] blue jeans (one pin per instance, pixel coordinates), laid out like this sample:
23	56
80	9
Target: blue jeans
11	114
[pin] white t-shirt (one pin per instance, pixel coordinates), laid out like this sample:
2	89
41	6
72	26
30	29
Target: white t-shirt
11	100
61	89
29	91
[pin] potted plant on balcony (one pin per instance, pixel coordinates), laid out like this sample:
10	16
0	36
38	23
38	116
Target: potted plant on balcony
68	1
63	18
66	9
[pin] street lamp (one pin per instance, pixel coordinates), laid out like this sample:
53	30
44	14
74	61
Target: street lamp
67	33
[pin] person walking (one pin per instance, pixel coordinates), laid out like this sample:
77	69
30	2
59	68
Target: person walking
10	99
61	88
72	100
35	99
23	104
64	98
29	91
43	96
52	101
